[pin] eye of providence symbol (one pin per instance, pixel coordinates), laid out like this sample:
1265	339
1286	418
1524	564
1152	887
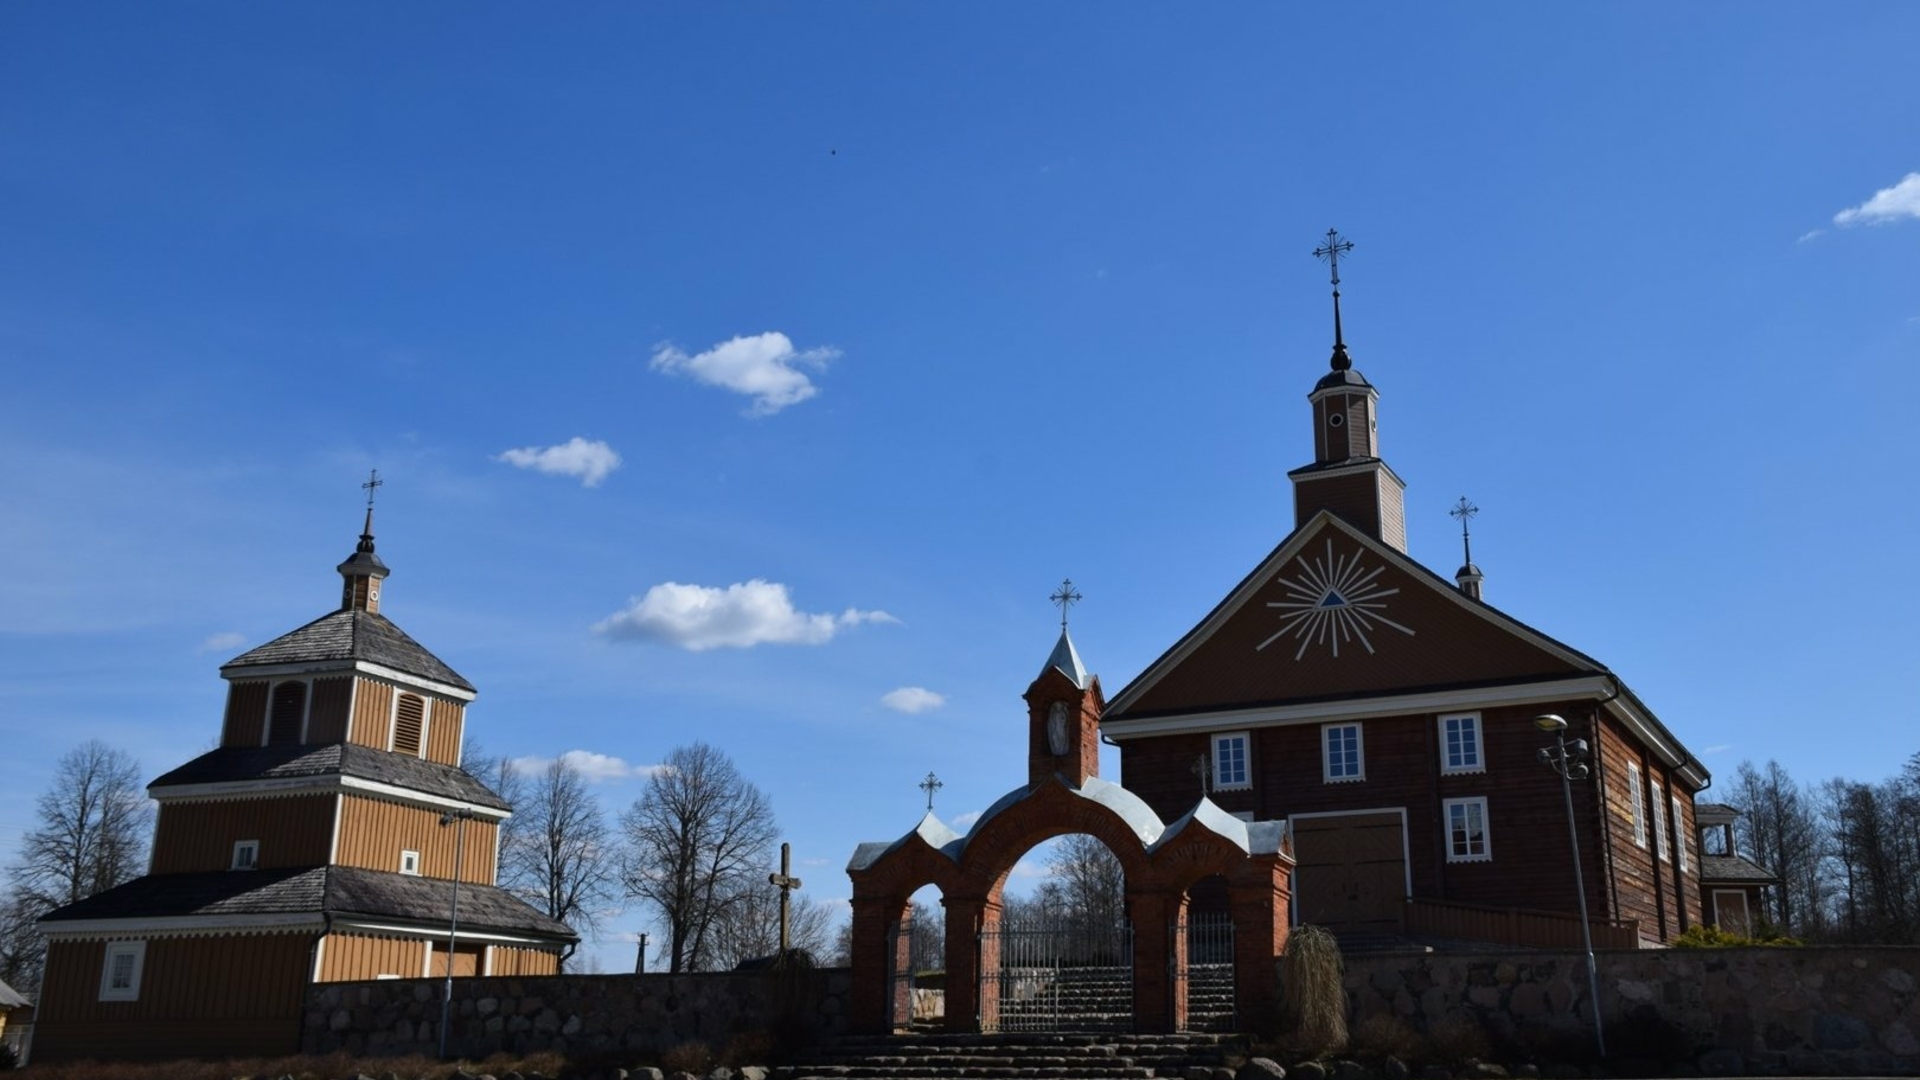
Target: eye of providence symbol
1333	600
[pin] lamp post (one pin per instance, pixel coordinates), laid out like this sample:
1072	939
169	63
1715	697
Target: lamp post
1566	759
640	958
458	819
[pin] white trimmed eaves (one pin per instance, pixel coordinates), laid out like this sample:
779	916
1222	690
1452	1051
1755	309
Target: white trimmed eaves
1272	565
430	932
181	926
314	785
1321	712
342	667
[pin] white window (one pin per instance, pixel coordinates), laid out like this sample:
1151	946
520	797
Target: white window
1341	753
1636	797
1460	750
1679	836
1467	830
1230	767
120	974
1659	824
410	863
246	855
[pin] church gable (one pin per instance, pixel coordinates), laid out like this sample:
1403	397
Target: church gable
1336	613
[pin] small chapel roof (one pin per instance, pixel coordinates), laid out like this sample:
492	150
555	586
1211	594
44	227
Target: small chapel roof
351	635
230	764
1067	659
1734	868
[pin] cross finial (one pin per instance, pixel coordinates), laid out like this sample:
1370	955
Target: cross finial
373	481
930	785
1330	253
1203	771
1066	596
1463	511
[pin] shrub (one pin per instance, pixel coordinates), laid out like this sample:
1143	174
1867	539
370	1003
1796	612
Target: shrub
1457	1040
1713	937
748	1048
688	1057
1313	993
1384	1035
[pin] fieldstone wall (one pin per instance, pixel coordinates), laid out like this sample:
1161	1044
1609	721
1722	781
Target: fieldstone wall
1803	1011
640	1015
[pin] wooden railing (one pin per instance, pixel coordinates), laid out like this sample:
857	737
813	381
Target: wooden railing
1515	926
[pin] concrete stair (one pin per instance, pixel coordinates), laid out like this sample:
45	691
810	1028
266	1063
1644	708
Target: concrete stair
1012	1057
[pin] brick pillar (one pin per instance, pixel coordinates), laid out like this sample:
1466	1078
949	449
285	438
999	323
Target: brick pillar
1154	1010
973	988
871	944
1262	910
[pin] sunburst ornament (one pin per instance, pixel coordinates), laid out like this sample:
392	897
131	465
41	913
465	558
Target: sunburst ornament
1334	599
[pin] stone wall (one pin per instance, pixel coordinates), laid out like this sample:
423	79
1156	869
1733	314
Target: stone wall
1795	1010
634	1015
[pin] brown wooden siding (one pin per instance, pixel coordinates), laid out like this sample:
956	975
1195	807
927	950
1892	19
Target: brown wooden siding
327	716
444	731
1393	511
350	957
372	714
1642	885
246	712
195	837
1352	498
507	960
373	832
203	996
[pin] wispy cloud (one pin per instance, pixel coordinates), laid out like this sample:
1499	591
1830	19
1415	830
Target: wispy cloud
765	367
739	616
588	459
593	767
966	819
221	642
912	699
1888	205
1810	234
1717	748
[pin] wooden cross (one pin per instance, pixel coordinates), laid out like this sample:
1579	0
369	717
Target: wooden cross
786	883
930	785
373	481
1464	511
1066	596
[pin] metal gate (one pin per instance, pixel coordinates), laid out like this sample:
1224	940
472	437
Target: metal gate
918	978
1211	998
1046	976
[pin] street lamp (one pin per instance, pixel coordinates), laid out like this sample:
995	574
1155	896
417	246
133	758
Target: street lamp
1568	759
458	819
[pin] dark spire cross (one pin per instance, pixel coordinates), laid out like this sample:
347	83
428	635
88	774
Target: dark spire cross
1066	596
1464	511
1330	253
930	785
373	481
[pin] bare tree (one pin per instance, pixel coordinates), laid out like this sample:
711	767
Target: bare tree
1782	833
562	860
1087	889
499	774
90	835
695	842
750	927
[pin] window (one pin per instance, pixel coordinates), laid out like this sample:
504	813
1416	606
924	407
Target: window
120	973
1230	761
410	863
409	717
1460	744
1340	745
1467	830
246	855
1639	811
1659	824
287	714
1679	836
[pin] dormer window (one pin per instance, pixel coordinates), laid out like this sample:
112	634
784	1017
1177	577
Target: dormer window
246	855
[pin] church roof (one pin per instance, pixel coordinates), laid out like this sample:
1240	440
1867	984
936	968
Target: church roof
1067	659
11	998
329	890
231	764
351	635
1734	868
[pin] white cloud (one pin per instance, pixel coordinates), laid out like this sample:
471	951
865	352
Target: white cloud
763	366
966	819
1810	234
221	642
593	767
1902	200
912	699
1718	748
589	459
740	616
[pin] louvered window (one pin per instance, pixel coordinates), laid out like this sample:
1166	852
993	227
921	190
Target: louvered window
289	708
409	716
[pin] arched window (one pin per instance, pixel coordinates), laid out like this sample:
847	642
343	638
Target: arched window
284	717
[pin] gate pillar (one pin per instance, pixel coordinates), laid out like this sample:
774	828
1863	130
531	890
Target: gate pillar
873	944
1159	1002
1262	906
973	984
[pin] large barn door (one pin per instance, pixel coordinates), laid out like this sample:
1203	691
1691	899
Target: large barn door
1351	870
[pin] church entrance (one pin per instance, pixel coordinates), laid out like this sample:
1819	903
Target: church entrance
1351	869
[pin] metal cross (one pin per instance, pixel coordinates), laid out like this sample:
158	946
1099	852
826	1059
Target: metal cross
1331	251
930	785
373	481
1203	771
786	883
1066	596
1463	511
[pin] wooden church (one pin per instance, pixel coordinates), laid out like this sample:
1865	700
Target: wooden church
1389	714
320	842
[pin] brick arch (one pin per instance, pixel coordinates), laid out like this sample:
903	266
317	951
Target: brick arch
1052	810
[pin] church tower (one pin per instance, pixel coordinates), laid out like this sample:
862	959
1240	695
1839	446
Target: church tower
323	840
1347	476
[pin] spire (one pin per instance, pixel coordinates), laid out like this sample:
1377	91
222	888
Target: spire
1330	253
1468	577
363	569
1064	657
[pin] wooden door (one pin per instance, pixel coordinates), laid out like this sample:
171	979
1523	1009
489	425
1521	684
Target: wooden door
1351	870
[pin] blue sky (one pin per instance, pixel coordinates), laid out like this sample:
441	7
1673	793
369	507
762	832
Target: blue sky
863	325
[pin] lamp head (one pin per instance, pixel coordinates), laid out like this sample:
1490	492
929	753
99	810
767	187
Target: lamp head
446	819
1550	723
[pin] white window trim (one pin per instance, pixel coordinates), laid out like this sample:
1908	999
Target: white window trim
1246	760
244	845
1479	744
1679	834
1486	828
1637	796
1660	847
1326	752
131	992
415	872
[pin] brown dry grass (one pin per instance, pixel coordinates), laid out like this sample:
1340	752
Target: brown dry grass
330	1067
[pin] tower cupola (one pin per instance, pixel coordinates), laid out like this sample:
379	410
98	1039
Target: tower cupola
1063	711
363	571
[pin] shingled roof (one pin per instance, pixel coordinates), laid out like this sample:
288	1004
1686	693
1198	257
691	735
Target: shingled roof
331	890
231	764
351	635
1734	868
